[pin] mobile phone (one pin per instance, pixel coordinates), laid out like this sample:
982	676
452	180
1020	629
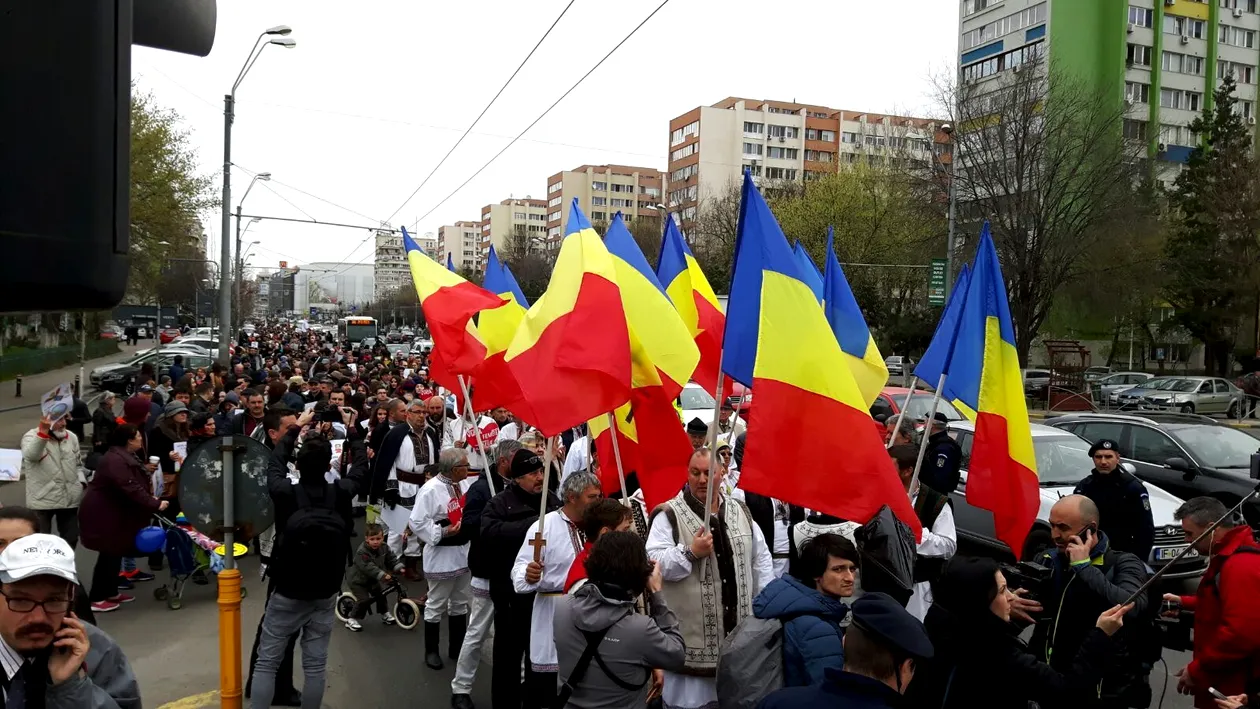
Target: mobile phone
1087	532
1214	693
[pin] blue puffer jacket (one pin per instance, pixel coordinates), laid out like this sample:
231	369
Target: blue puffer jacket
812	637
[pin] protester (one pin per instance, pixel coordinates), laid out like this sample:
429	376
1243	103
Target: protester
600	616
373	569
698	432
16	522
436	519
601	516
54	482
203	398
1124	507
942	462
250	421
119	502
939	537
416	453
52	659
103	422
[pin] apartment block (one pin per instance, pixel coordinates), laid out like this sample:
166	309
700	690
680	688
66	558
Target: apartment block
601	192
780	141
428	243
1160	59
390	270
460	242
526	218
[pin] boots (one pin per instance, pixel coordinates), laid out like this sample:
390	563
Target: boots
458	628
432	636
409	568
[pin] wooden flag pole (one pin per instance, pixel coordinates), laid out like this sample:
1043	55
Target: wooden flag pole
538	542
905	403
471	417
621	472
927	433
717	413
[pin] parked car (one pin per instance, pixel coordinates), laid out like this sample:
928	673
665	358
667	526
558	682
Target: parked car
110	333
1109	386
1187	455
696	403
168	335
1201	395
890	400
1132	398
1093	374
1036	382
209	344
1062	462
121	378
898	366
398	350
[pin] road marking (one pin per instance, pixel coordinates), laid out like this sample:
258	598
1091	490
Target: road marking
196	701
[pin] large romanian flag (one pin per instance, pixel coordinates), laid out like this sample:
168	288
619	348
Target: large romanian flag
495	385
570	356
983	372
449	302
779	342
848	324
695	301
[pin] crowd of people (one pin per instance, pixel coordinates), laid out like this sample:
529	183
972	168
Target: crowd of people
594	599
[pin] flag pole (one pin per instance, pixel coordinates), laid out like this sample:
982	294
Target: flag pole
471	417
927	432
538	542
621	472
717	414
905	403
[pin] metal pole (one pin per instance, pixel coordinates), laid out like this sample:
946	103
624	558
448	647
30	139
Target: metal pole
225	255
717	411
239	316
229	504
621	472
229	592
905	403
927	432
82	350
471	417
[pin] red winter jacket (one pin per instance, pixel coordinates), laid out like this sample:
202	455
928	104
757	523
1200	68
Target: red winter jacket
577	570
1226	620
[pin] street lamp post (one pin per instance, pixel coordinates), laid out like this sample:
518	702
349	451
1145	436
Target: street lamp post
241	258
948	130
278	36
239	318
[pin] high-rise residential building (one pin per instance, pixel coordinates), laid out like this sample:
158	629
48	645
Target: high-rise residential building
602	191
1162	58
526	218
428	243
390	270
711	146
460	241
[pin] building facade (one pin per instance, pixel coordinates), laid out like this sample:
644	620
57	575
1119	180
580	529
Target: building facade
526	218
461	242
779	141
601	192
390	270
428	243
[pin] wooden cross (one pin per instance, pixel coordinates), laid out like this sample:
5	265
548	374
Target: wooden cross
538	543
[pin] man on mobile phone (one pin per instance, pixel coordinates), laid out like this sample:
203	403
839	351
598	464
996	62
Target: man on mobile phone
48	657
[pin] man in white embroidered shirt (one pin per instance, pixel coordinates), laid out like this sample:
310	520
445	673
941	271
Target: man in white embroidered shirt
49	657
711	575
940	537
436	521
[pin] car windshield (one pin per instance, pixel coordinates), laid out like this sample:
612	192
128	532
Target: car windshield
921	404
1061	460
1217	446
696	398
895	359
1183	385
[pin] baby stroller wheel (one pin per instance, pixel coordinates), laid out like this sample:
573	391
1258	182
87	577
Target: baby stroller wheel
407	613
161	593
345	606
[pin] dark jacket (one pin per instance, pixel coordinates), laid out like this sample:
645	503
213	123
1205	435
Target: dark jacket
238	423
118	503
841	690
293	401
103	423
386	454
942	463
505	523
177	373
369	566
162	442
199	405
80	417
762	510
1124	510
475	502
106	682
812	637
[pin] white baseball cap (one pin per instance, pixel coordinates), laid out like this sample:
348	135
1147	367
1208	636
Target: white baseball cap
37	555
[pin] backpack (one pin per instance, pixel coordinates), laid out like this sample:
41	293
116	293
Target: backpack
311	551
750	663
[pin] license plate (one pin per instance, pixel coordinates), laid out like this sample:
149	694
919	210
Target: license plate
1170	553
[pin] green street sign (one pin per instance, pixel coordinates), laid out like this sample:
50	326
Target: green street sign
936	282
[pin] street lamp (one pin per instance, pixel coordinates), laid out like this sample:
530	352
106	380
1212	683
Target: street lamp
241	263
948	130
275	35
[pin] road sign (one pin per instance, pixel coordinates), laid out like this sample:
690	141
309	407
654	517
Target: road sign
936	282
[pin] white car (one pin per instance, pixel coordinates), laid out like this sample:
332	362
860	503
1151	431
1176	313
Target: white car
1112	384
696	404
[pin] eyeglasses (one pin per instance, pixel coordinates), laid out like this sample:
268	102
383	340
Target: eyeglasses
26	605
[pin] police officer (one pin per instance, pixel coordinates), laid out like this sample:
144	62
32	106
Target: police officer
943	459
1123	505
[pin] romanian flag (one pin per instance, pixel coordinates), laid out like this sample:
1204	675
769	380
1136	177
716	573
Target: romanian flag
497	327
570	356
450	265
653	446
941	348
449	302
779	342
813	278
849	326
696	303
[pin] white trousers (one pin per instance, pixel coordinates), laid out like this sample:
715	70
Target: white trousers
478	628
447	596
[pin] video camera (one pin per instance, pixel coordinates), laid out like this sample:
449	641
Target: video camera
1030	576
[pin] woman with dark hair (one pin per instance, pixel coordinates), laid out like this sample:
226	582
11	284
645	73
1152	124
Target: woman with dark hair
275	392
811	608
979	660
118	503
618	571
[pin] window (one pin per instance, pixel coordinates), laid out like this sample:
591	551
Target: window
684	133
1170	98
1137	93
599	186
1152	446
1184	26
599	201
971	7
518	215
783	131
1220	386
1001	27
1244	109
1174	135
754	170
650	191
783	153
554	216
819	156
1095	431
622	202
1002	62
754	128
847	137
752	148
599	216
1134	130
1243	73
555	187
780	173
828	135
1141	16
811	134
685	151
622	188
1194	101
1237	36
683	173
555	201
1138	55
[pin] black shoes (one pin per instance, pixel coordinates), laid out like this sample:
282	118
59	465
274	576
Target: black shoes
462	701
459	628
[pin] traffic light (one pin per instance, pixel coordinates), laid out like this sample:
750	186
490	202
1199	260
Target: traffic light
65	141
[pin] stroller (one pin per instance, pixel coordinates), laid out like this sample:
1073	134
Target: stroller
406	610
189	554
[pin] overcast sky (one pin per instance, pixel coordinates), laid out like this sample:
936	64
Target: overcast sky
376	92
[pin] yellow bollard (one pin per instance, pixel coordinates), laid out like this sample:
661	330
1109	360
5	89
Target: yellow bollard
230	638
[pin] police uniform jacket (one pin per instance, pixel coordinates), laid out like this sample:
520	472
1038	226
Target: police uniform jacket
1124	510
942	463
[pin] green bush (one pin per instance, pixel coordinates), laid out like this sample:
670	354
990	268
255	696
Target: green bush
26	361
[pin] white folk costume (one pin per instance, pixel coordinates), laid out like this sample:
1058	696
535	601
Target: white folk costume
564	541
410	463
577	458
457	430
939	543
710	596
639	514
510	431
445	565
480	617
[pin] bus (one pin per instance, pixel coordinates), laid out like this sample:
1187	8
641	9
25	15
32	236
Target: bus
356	329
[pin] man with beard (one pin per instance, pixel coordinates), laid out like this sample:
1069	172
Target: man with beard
50	658
507	520
416	453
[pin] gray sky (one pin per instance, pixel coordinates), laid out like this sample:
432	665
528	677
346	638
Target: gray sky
376	92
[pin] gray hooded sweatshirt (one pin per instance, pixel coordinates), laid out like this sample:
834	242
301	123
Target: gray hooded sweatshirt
634	645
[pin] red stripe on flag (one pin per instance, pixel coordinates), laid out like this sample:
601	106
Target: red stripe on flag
712	324
447	312
664	448
495	385
1001	484
788	418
